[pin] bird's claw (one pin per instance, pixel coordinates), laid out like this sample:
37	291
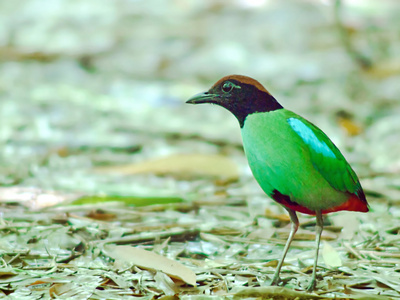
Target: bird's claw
311	286
275	281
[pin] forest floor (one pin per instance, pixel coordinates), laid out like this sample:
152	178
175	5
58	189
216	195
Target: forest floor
111	187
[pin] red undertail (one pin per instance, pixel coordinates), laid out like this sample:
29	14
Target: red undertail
354	203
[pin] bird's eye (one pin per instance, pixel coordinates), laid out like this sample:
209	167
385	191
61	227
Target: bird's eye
227	87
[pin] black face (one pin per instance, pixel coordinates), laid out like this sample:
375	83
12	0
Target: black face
240	95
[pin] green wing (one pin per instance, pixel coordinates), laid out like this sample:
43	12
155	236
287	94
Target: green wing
289	155
326	157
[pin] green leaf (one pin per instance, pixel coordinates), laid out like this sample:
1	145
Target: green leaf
128	200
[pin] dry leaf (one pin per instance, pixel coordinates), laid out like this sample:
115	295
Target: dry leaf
271	292
166	284
346	121
330	256
389	68
212	238
150	260
272	215
34	198
261	233
182	166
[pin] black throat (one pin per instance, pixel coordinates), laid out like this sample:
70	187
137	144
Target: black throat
250	100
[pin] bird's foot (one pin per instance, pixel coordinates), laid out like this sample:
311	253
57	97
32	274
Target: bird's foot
312	285
281	282
275	281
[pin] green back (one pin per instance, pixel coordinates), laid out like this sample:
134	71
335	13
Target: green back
293	156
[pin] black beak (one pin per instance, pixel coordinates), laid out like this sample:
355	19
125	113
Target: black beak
203	98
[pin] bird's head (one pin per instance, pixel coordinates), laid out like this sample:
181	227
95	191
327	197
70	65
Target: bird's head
241	95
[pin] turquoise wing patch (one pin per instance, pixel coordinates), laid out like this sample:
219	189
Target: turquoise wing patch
326	157
309	137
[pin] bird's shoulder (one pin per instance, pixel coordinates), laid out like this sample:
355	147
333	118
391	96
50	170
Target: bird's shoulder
315	146
326	157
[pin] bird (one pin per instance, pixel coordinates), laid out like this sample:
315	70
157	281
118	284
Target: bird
293	161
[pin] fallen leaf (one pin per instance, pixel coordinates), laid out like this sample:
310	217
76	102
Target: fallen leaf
272	215
100	215
34	198
261	233
150	260
389	68
346	121
271	292
166	284
128	200
59	289
182	166
8	271
330	256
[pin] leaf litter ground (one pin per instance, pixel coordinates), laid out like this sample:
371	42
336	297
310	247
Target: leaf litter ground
227	246
94	115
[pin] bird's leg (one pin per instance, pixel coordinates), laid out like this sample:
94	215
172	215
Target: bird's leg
294	226
318	230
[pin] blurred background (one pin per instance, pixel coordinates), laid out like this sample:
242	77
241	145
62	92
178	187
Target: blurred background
92	92
92	109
